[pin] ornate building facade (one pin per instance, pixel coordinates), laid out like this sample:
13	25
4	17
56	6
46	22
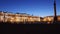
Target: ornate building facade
10	17
51	18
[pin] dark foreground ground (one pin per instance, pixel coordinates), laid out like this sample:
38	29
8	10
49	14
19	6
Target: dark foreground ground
30	23
25	28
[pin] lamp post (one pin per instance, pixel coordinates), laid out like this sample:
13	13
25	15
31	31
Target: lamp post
55	16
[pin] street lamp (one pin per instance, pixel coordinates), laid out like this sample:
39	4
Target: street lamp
55	16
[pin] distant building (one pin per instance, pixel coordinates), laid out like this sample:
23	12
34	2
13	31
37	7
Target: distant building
48	18
18	17
51	18
58	18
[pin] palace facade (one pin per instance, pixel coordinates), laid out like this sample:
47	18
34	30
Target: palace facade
21	17
51	18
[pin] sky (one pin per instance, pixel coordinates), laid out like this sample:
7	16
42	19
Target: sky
33	7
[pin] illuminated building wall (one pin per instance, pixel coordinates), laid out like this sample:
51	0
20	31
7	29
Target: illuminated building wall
9	17
50	18
58	18
1	16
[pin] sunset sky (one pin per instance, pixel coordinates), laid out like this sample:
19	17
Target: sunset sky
36	7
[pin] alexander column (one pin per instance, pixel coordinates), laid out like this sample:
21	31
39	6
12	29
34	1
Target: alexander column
55	16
